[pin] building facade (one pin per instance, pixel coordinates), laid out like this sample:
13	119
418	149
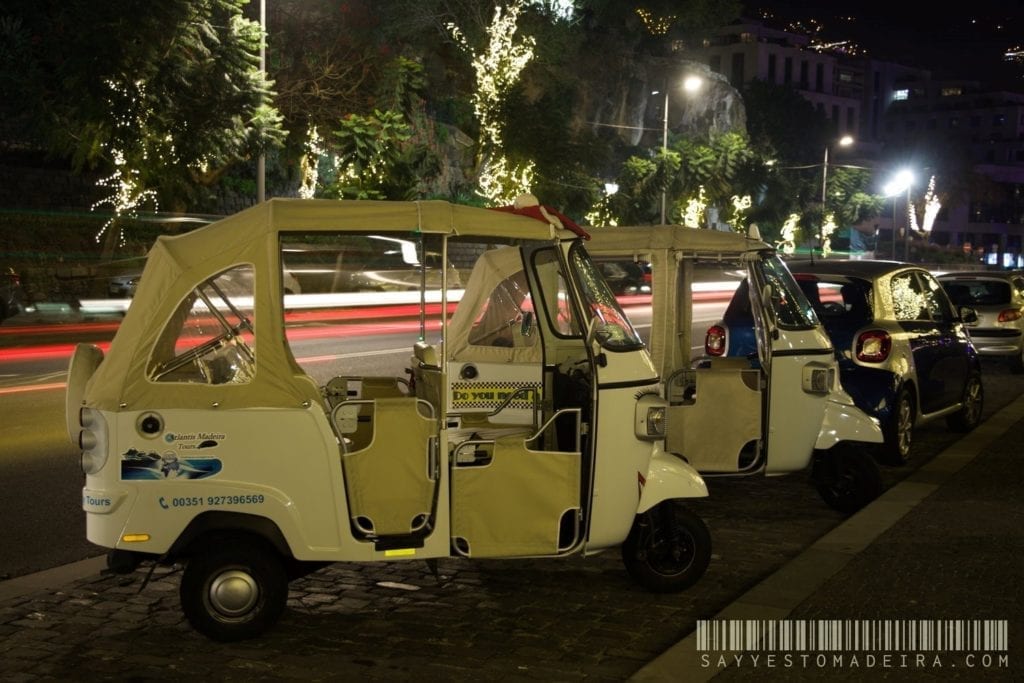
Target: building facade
899	114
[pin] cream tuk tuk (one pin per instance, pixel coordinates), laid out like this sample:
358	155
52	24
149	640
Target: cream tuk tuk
773	414
533	427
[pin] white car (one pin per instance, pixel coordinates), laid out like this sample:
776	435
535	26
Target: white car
998	299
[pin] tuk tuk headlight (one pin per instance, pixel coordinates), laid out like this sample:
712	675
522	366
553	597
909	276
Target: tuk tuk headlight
818	379
92	440
656	421
651	417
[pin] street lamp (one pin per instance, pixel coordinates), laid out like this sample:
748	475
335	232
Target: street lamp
691	84
899	184
844	141
261	163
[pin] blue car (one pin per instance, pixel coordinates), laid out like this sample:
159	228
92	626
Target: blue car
904	352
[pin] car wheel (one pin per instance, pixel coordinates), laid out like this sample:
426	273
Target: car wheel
969	415
668	549
234	590
847	477
899	430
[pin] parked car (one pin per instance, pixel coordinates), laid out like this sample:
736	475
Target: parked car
123	286
998	299
627	277
12	296
904	352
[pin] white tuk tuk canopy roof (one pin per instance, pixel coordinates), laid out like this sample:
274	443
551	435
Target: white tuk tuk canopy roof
664	247
176	265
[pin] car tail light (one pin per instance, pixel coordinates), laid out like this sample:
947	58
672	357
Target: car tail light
873	346
714	341
1009	315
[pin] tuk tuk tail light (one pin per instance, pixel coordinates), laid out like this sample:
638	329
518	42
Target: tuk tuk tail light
92	440
1009	315
714	341
873	346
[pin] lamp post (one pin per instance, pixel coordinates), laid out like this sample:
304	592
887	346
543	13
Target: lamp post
261	163
844	141
691	84
899	184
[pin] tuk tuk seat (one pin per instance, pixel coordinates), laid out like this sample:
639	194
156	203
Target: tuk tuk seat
391	479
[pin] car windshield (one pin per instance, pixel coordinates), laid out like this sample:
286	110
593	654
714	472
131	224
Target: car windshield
599	301
977	292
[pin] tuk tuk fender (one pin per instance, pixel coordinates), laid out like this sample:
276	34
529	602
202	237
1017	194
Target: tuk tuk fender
846	422
669	477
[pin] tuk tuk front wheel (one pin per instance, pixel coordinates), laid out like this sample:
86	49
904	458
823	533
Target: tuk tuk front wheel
668	549
234	591
847	477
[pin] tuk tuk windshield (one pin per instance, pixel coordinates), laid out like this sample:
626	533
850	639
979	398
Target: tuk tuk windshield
790	306
600	303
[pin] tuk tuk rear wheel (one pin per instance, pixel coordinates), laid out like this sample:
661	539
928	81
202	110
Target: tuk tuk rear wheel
668	549
847	477
234	591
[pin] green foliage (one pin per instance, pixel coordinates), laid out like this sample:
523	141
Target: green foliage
174	86
367	146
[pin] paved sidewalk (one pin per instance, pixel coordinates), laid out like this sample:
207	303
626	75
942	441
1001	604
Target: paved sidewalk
946	543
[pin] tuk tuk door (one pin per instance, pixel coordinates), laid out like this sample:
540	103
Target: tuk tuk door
715	414
797	359
516	480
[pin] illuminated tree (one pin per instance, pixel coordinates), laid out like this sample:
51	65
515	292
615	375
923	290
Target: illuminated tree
497	67
166	95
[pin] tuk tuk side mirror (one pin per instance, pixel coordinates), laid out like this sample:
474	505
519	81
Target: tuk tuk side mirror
968	315
598	331
527	325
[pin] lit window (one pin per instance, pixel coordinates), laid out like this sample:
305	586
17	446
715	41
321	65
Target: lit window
901	94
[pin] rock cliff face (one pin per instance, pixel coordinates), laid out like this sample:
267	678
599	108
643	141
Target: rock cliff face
624	103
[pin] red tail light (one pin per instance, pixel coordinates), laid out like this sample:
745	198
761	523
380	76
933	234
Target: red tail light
1009	315
714	341
873	346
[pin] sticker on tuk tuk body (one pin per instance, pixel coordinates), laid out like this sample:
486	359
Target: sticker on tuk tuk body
468	395
141	466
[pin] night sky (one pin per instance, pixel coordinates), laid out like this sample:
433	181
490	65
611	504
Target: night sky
967	40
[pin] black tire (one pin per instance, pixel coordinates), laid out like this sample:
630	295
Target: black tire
847	477
969	416
668	549
234	590
898	430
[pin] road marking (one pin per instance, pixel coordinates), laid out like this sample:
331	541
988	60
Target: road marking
359	354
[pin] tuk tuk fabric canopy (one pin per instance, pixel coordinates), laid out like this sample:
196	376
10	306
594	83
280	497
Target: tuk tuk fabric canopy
177	264
638	240
666	247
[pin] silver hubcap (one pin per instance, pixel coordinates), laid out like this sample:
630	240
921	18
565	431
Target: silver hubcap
233	593
904	426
